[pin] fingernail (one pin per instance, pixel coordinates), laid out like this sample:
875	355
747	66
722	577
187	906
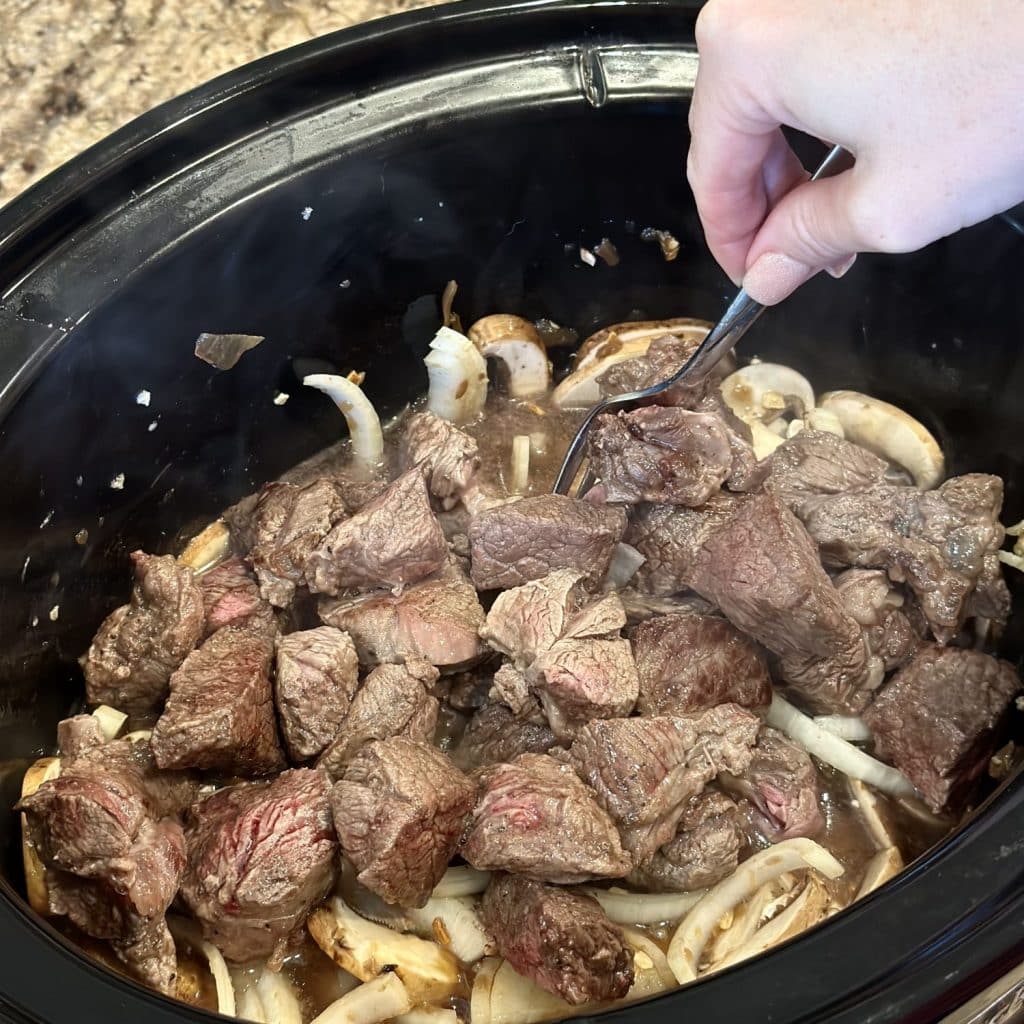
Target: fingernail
841	268
773	276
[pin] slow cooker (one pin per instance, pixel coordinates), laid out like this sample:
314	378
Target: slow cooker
322	198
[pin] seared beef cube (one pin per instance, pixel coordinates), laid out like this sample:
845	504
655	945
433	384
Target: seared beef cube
746	473
220	712
400	810
536	818
525	540
511	688
317	676
578	680
704	850
113	854
495	735
869	596
816	462
393	701
449	456
231	597
663	358
290	522
939	542
559	939
645	771
664	455
261	855
782	783
438	620
392	541
990	598
938	718
687	663
141	643
78	735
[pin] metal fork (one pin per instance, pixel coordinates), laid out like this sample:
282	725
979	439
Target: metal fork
720	341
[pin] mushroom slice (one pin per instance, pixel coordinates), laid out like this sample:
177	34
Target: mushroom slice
381	999
278	998
458	377
613	345
189	933
365	949
870	811
764	391
110	720
43	770
208	548
738	926
248	1005
885	864
688	942
360	415
517	344
888	431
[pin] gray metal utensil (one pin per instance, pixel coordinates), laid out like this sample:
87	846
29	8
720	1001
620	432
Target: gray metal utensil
720	341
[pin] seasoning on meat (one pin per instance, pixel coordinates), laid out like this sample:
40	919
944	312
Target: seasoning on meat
261	855
141	643
400	809
559	939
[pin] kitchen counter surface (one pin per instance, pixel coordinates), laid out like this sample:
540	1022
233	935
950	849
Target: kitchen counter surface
72	71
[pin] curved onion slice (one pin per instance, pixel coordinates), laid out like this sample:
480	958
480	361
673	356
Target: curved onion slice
458	377
519	478
360	415
382	998
834	751
644	908
36	889
846	727
208	548
189	932
648	957
461	881
280	1003
687	945
247	1002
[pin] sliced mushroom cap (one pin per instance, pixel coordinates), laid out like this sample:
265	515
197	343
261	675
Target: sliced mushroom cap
208	548
884	865
383	998
763	392
888	431
43	770
517	344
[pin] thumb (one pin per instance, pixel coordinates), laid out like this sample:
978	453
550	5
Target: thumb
809	229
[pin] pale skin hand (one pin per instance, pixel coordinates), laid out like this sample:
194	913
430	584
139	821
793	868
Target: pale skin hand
927	94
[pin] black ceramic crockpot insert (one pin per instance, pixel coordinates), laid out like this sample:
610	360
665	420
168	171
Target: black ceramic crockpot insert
322	198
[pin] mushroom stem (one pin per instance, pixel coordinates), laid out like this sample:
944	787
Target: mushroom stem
360	415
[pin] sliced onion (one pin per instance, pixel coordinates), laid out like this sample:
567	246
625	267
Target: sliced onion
461	881
626	560
428	1015
458	377
644	946
867	806
248	1002
690	938
189	932
453	922
519	478
278	998
846	727
110	720
835	751
360	415
644	908
383	998
884	865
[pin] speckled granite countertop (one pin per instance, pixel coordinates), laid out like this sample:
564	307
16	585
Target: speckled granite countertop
72	71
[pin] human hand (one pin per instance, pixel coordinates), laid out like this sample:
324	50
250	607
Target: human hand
927	94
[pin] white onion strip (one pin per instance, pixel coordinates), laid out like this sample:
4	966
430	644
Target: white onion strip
189	932
632	908
278	998
626	560
360	415
458	377
382	998
835	751
520	476
690	938
846	727
110	720
461	881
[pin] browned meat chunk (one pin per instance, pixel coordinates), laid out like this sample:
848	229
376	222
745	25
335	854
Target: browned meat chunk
938	719
393	701
664	356
394	540
578	680
645	771
261	855
400	809
937	541
690	662
526	539
746	473
289	523
536	818
317	676
512	688
705	850
815	462
78	735
220	712
496	735
782	783
141	643
449	456
113	852
232	598
666	455
559	939
869	596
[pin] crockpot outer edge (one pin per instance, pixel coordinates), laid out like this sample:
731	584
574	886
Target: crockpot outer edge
957	915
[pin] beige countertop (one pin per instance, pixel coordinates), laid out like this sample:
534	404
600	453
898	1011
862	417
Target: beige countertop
72	71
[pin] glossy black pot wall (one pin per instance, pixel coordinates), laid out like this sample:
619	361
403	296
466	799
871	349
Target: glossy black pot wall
322	198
